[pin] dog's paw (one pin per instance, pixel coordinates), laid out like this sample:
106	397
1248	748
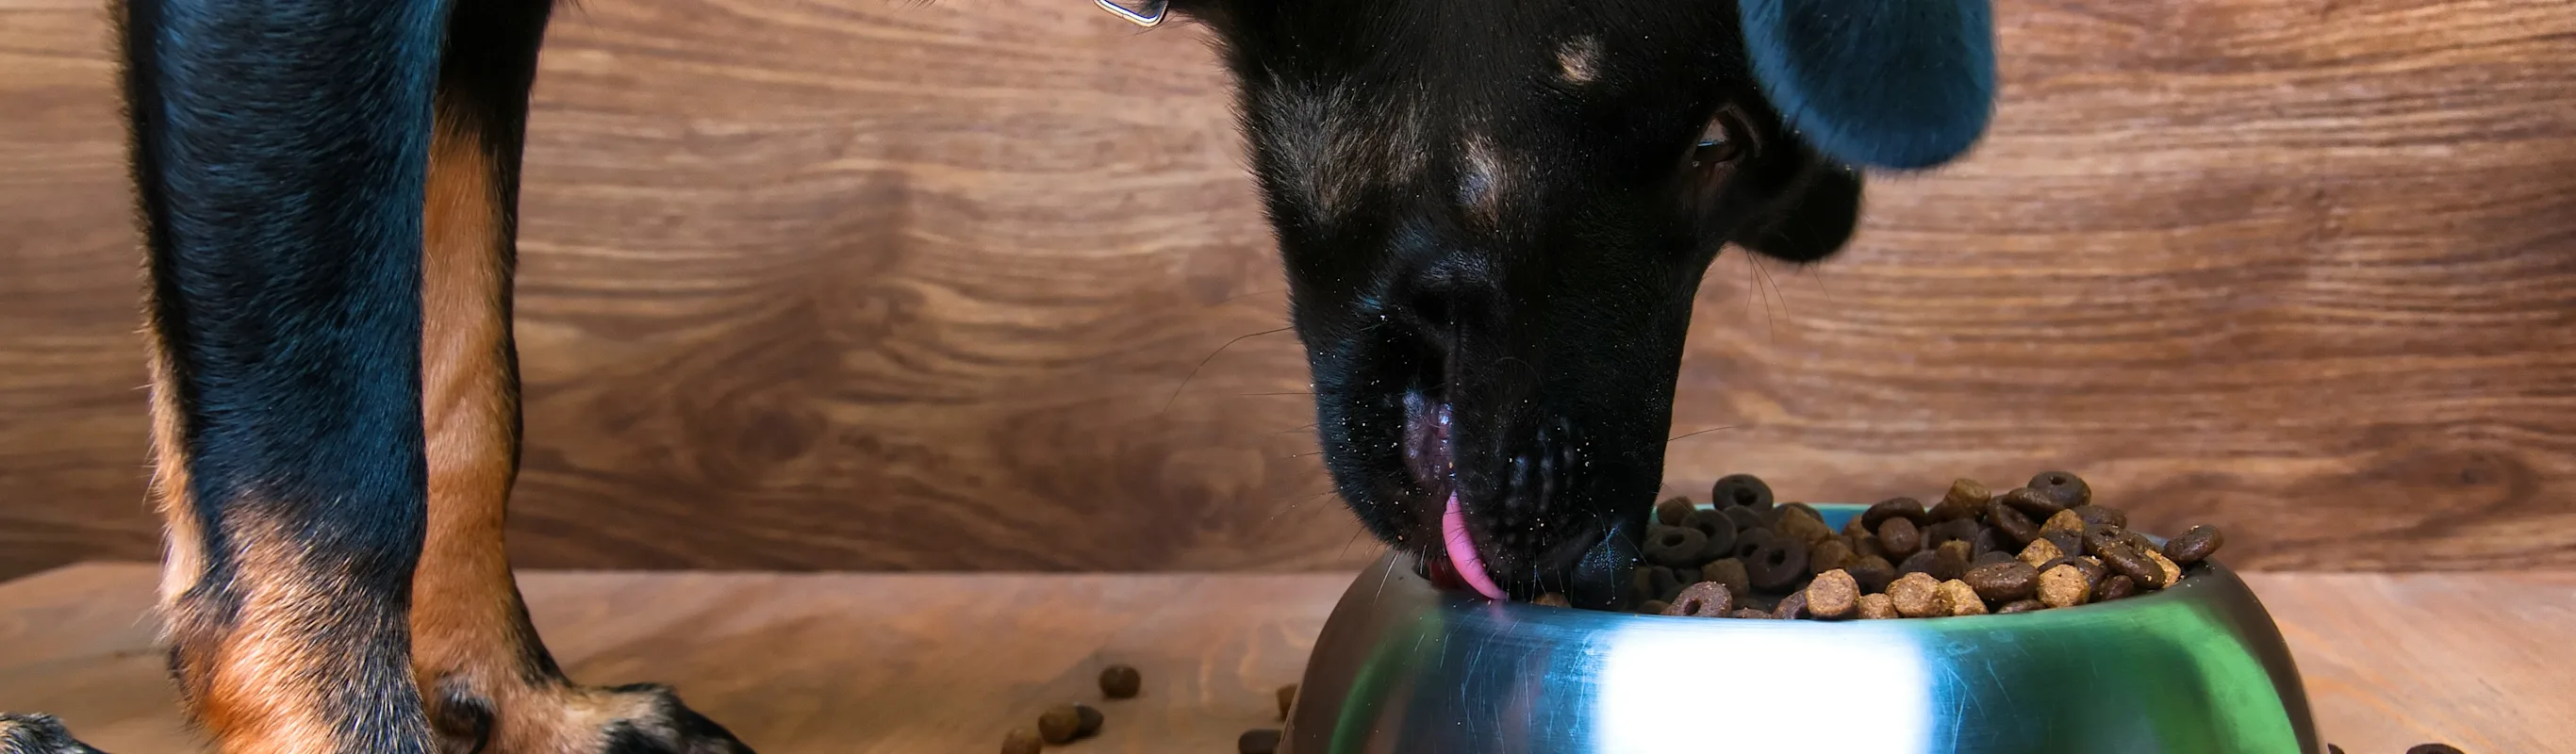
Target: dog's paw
38	734
653	721
561	718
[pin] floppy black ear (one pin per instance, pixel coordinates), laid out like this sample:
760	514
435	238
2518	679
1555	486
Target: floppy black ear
1897	84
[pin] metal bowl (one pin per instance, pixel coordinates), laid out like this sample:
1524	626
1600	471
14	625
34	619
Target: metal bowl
1405	668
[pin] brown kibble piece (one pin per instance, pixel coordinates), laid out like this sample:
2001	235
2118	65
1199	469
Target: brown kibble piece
1899	538
1951	561
2003	582
1965	498
2167	572
2115	587
1957	598
1993	557
1898	507
1866	545
1750	614
2333	749
1920	562
2128	562
1805	529
1120	682
1022	741
2063	488
2021	606
1706	599
2064	586
1854	526
1872	573
2065	520
2432	749
1877	607
2067	542
2015	526
2194	545
1060	724
1091	720
1833	595
1728	571
1655	607
2040	552
1257	741
1287	699
2102	515
1552	599
1671	511
1916	595
1778	565
1792	607
1829	555
2033	503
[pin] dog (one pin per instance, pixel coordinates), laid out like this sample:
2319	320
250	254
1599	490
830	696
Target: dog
1493	216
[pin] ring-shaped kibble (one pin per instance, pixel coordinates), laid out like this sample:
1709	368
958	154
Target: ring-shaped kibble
2102	515
1750	541
2033	503
1872	573
1746	519
2064	488
1777	564
1716	529
1674	546
2011	522
2128	562
2194	545
1706	599
1671	511
1740	491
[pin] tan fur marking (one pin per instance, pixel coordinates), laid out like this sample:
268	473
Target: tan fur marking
267	682
1482	181
183	540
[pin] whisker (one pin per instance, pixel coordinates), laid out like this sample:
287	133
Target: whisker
1701	432
1292	392
1194	371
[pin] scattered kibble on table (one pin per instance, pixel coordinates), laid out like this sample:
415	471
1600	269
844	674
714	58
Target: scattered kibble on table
1021	741
1257	741
1120	682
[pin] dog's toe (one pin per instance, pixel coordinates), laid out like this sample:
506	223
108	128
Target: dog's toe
38	734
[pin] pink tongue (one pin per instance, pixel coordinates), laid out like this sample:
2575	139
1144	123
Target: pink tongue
1462	551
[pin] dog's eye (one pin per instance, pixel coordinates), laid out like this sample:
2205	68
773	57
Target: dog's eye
1723	141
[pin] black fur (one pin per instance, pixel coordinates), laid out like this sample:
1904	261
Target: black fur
1469	216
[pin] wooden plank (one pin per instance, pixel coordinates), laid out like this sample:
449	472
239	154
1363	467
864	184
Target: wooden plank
859	284
909	663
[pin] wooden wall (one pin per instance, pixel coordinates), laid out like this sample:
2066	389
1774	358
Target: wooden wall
881	285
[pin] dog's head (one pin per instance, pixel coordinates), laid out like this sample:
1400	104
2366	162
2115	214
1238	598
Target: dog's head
1495	213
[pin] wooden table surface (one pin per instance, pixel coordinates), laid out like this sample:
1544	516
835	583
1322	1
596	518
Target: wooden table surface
943	663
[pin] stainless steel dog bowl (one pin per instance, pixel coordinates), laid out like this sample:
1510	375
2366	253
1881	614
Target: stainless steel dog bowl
1405	668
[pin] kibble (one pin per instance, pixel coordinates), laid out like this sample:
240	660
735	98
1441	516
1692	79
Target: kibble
1740	491
1957	598
2040	553
1552	599
1287	699
1122	681
1671	512
2042	546
1060	724
1829	555
1965	498
2194	545
1834	594
1899	538
1090	721
1674	546
2003	582
1706	599
2063	586
1916	595
1022	741
1904	507
1877	607
1730	572
1257	741
1951	561
2064	489
1778	565
2432	749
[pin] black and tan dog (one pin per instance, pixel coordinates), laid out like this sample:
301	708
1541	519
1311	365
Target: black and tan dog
1493	214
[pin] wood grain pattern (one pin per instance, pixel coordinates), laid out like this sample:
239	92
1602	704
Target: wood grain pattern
924	662
883	285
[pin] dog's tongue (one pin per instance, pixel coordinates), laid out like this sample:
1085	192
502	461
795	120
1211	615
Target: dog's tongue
1462	551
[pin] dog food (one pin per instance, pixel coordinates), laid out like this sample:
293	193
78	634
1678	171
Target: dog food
1120	682
1021	741
2045	545
1061	724
1287	700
